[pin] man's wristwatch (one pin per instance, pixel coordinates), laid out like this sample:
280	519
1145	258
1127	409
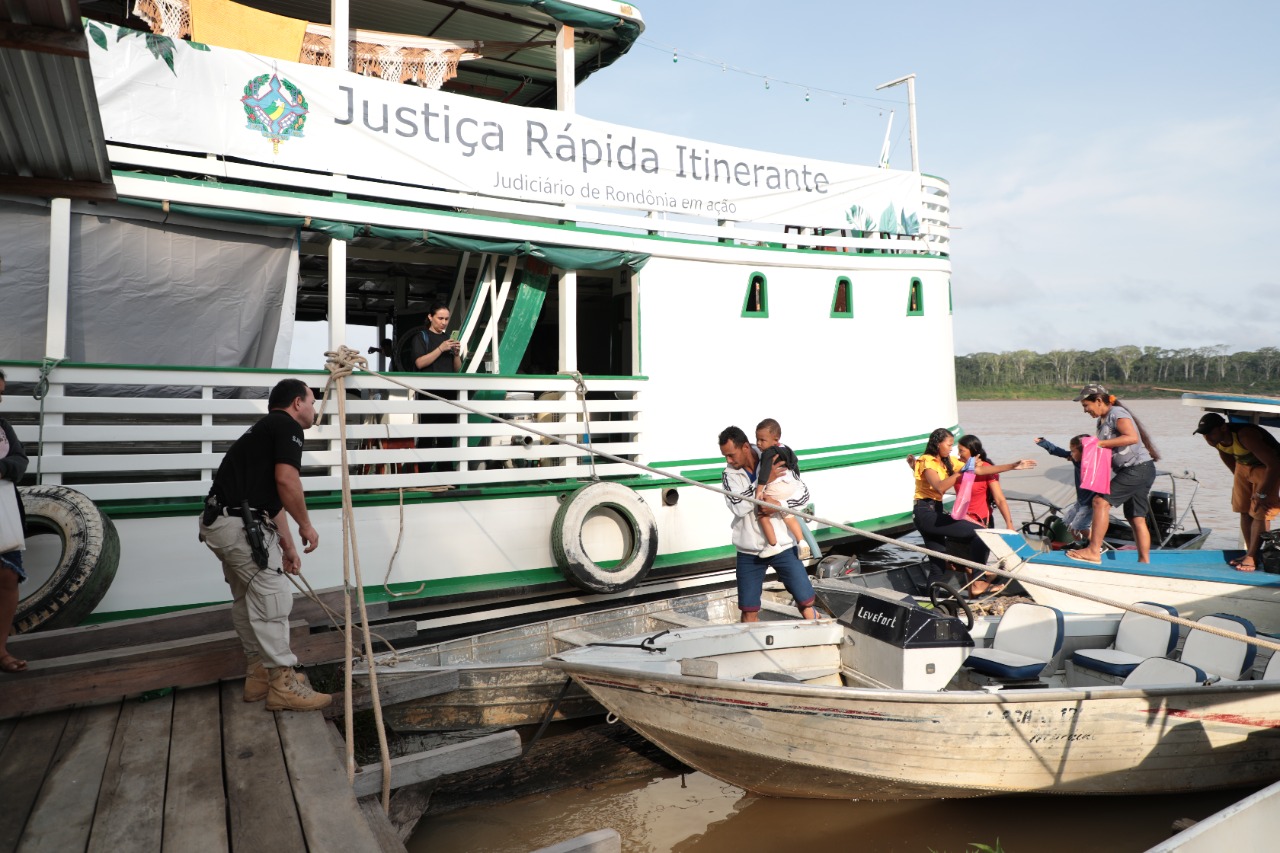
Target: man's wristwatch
1259	496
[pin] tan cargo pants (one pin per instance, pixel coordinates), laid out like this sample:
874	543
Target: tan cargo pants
261	598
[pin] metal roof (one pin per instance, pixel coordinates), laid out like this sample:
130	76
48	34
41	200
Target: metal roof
51	140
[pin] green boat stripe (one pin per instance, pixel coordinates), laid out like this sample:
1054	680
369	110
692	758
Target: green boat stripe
500	581
878	451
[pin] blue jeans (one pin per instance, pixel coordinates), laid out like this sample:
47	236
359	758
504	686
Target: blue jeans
790	571
13	560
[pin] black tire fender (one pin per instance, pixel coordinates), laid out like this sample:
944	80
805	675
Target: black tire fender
87	563
571	555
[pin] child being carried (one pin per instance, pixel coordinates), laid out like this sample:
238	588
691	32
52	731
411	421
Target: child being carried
778	486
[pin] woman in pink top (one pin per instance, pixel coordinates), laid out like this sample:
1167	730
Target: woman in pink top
986	487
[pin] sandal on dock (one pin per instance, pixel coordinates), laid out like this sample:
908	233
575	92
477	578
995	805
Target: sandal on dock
1244	564
1080	558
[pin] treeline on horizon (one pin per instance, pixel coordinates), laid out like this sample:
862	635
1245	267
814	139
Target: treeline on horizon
1132	369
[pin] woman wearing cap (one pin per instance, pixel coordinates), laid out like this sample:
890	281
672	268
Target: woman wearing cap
1133	470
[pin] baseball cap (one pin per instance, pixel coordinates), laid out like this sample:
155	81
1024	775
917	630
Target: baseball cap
1093	389
1208	423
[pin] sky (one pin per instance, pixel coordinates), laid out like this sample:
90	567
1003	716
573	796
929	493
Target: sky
1114	167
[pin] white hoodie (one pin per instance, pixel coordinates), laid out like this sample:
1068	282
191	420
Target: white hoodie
747	535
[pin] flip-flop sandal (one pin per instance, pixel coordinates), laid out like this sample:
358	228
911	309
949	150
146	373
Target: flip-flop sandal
1075	555
9	663
1241	567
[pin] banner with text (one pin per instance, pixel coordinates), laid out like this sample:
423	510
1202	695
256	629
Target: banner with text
191	98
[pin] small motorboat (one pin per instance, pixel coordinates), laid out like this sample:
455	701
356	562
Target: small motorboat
895	701
1195	582
501	679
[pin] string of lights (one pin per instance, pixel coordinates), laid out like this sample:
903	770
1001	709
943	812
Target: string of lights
770	81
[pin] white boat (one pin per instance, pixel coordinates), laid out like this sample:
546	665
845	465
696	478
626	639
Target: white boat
198	201
1195	582
1249	826
501	679
876	706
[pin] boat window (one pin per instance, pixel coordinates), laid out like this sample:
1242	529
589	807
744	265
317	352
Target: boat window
915	300
756	303
842	299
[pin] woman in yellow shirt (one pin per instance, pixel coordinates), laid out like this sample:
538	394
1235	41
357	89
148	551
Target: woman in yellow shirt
937	472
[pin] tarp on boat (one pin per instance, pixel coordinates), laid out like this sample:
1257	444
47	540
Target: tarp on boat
150	287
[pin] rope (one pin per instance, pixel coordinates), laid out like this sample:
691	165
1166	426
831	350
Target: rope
41	391
586	423
341	363
997	569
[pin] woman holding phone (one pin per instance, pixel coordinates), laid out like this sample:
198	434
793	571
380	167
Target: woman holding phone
435	350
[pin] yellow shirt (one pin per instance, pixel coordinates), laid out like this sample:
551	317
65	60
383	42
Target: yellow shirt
925	463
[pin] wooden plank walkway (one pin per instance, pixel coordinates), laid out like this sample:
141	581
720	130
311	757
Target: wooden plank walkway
197	769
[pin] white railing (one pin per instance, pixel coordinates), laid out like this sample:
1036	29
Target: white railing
138	434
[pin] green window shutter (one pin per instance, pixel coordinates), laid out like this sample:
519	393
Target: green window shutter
842	299
951	305
756	302
915	299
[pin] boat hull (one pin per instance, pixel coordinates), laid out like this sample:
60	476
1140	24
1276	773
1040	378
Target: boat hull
876	745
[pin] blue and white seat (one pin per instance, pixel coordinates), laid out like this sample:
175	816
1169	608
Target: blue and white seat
1139	637
1221	656
1027	638
1164	671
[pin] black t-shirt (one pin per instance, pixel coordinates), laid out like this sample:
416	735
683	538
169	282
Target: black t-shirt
426	341
248	471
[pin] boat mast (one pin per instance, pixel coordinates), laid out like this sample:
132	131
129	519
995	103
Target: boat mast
339	47
568	295
910	80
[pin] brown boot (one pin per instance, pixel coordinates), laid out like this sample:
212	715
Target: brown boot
289	692
256	682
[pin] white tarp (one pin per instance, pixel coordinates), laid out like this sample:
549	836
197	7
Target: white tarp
146	291
267	111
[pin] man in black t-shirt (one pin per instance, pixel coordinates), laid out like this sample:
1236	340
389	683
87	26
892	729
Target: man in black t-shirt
262	469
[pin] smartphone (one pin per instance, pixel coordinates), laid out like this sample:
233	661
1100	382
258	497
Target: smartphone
453	336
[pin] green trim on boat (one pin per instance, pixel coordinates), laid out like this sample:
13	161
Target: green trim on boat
348	231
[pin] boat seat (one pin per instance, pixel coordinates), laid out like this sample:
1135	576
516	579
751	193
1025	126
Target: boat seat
1153	671
1026	639
1221	656
1139	637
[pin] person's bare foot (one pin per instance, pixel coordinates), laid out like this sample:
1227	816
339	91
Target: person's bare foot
1082	555
1246	564
750	616
8	663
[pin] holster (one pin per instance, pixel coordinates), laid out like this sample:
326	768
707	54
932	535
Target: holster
254	533
211	511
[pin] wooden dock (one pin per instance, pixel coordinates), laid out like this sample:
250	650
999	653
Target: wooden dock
195	769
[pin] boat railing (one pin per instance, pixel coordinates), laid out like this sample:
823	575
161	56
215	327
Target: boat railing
145	434
933	237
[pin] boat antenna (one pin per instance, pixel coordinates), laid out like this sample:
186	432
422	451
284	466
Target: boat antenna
910	80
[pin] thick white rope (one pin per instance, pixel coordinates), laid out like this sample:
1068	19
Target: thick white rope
341	365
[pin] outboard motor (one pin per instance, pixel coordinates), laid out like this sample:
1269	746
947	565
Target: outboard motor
1163	514
838	566
892	642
